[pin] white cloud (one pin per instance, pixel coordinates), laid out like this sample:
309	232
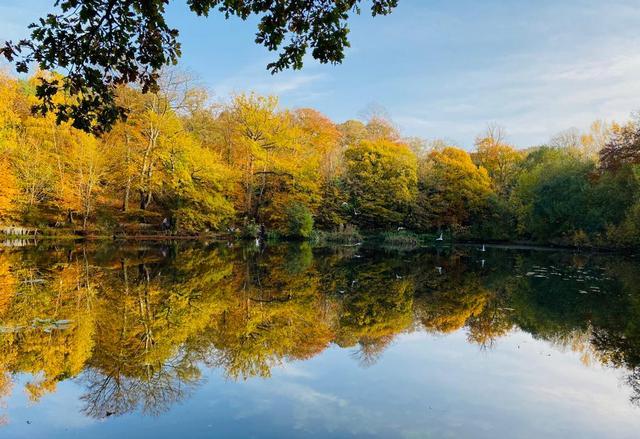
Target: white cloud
533	95
297	85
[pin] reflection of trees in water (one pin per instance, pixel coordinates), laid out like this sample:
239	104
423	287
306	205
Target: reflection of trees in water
593	310
112	392
141	323
147	315
275	313
370	350
47	326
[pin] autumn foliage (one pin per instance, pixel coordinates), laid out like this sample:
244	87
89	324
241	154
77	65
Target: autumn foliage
182	164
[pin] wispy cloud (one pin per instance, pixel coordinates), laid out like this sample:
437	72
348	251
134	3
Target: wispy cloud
533	94
298	86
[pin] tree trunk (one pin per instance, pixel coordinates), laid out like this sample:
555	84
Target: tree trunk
127	192
145	199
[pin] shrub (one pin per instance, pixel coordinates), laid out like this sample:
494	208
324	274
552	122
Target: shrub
400	239
346	235
580	238
299	221
250	230
627	234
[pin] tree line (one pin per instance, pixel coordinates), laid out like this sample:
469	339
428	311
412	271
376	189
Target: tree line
183	164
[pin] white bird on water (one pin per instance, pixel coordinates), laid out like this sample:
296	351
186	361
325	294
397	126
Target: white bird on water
483	249
440	238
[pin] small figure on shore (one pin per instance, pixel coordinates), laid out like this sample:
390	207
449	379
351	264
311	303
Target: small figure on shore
165	225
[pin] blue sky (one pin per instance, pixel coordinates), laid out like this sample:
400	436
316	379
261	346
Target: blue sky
441	68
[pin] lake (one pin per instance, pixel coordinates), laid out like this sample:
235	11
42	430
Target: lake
218	340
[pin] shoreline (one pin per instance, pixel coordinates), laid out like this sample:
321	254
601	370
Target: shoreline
369	240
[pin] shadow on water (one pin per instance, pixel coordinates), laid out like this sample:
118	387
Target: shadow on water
135	325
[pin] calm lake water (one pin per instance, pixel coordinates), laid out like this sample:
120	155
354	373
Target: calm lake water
196	340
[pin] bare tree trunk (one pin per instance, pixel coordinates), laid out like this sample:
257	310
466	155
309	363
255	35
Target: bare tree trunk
145	199
127	187
127	193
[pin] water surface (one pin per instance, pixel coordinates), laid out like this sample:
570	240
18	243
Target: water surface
199	340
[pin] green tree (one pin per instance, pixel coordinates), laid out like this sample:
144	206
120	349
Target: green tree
300	221
554	197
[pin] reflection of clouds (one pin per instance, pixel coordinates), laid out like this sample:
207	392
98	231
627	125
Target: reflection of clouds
307	395
313	409
59	410
291	370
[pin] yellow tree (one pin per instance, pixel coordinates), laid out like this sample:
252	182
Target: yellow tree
122	146
84	168
381	177
276	162
585	143
194	189
452	188
33	162
9	116
42	160
321	137
499	159
144	142
302	167
13	106
158	126
59	164
324	142
595	139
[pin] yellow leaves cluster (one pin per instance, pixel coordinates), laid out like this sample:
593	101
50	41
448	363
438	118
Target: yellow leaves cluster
382	176
456	187
500	160
9	190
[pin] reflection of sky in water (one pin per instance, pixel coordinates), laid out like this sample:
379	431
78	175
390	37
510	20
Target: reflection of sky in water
136	320
422	386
